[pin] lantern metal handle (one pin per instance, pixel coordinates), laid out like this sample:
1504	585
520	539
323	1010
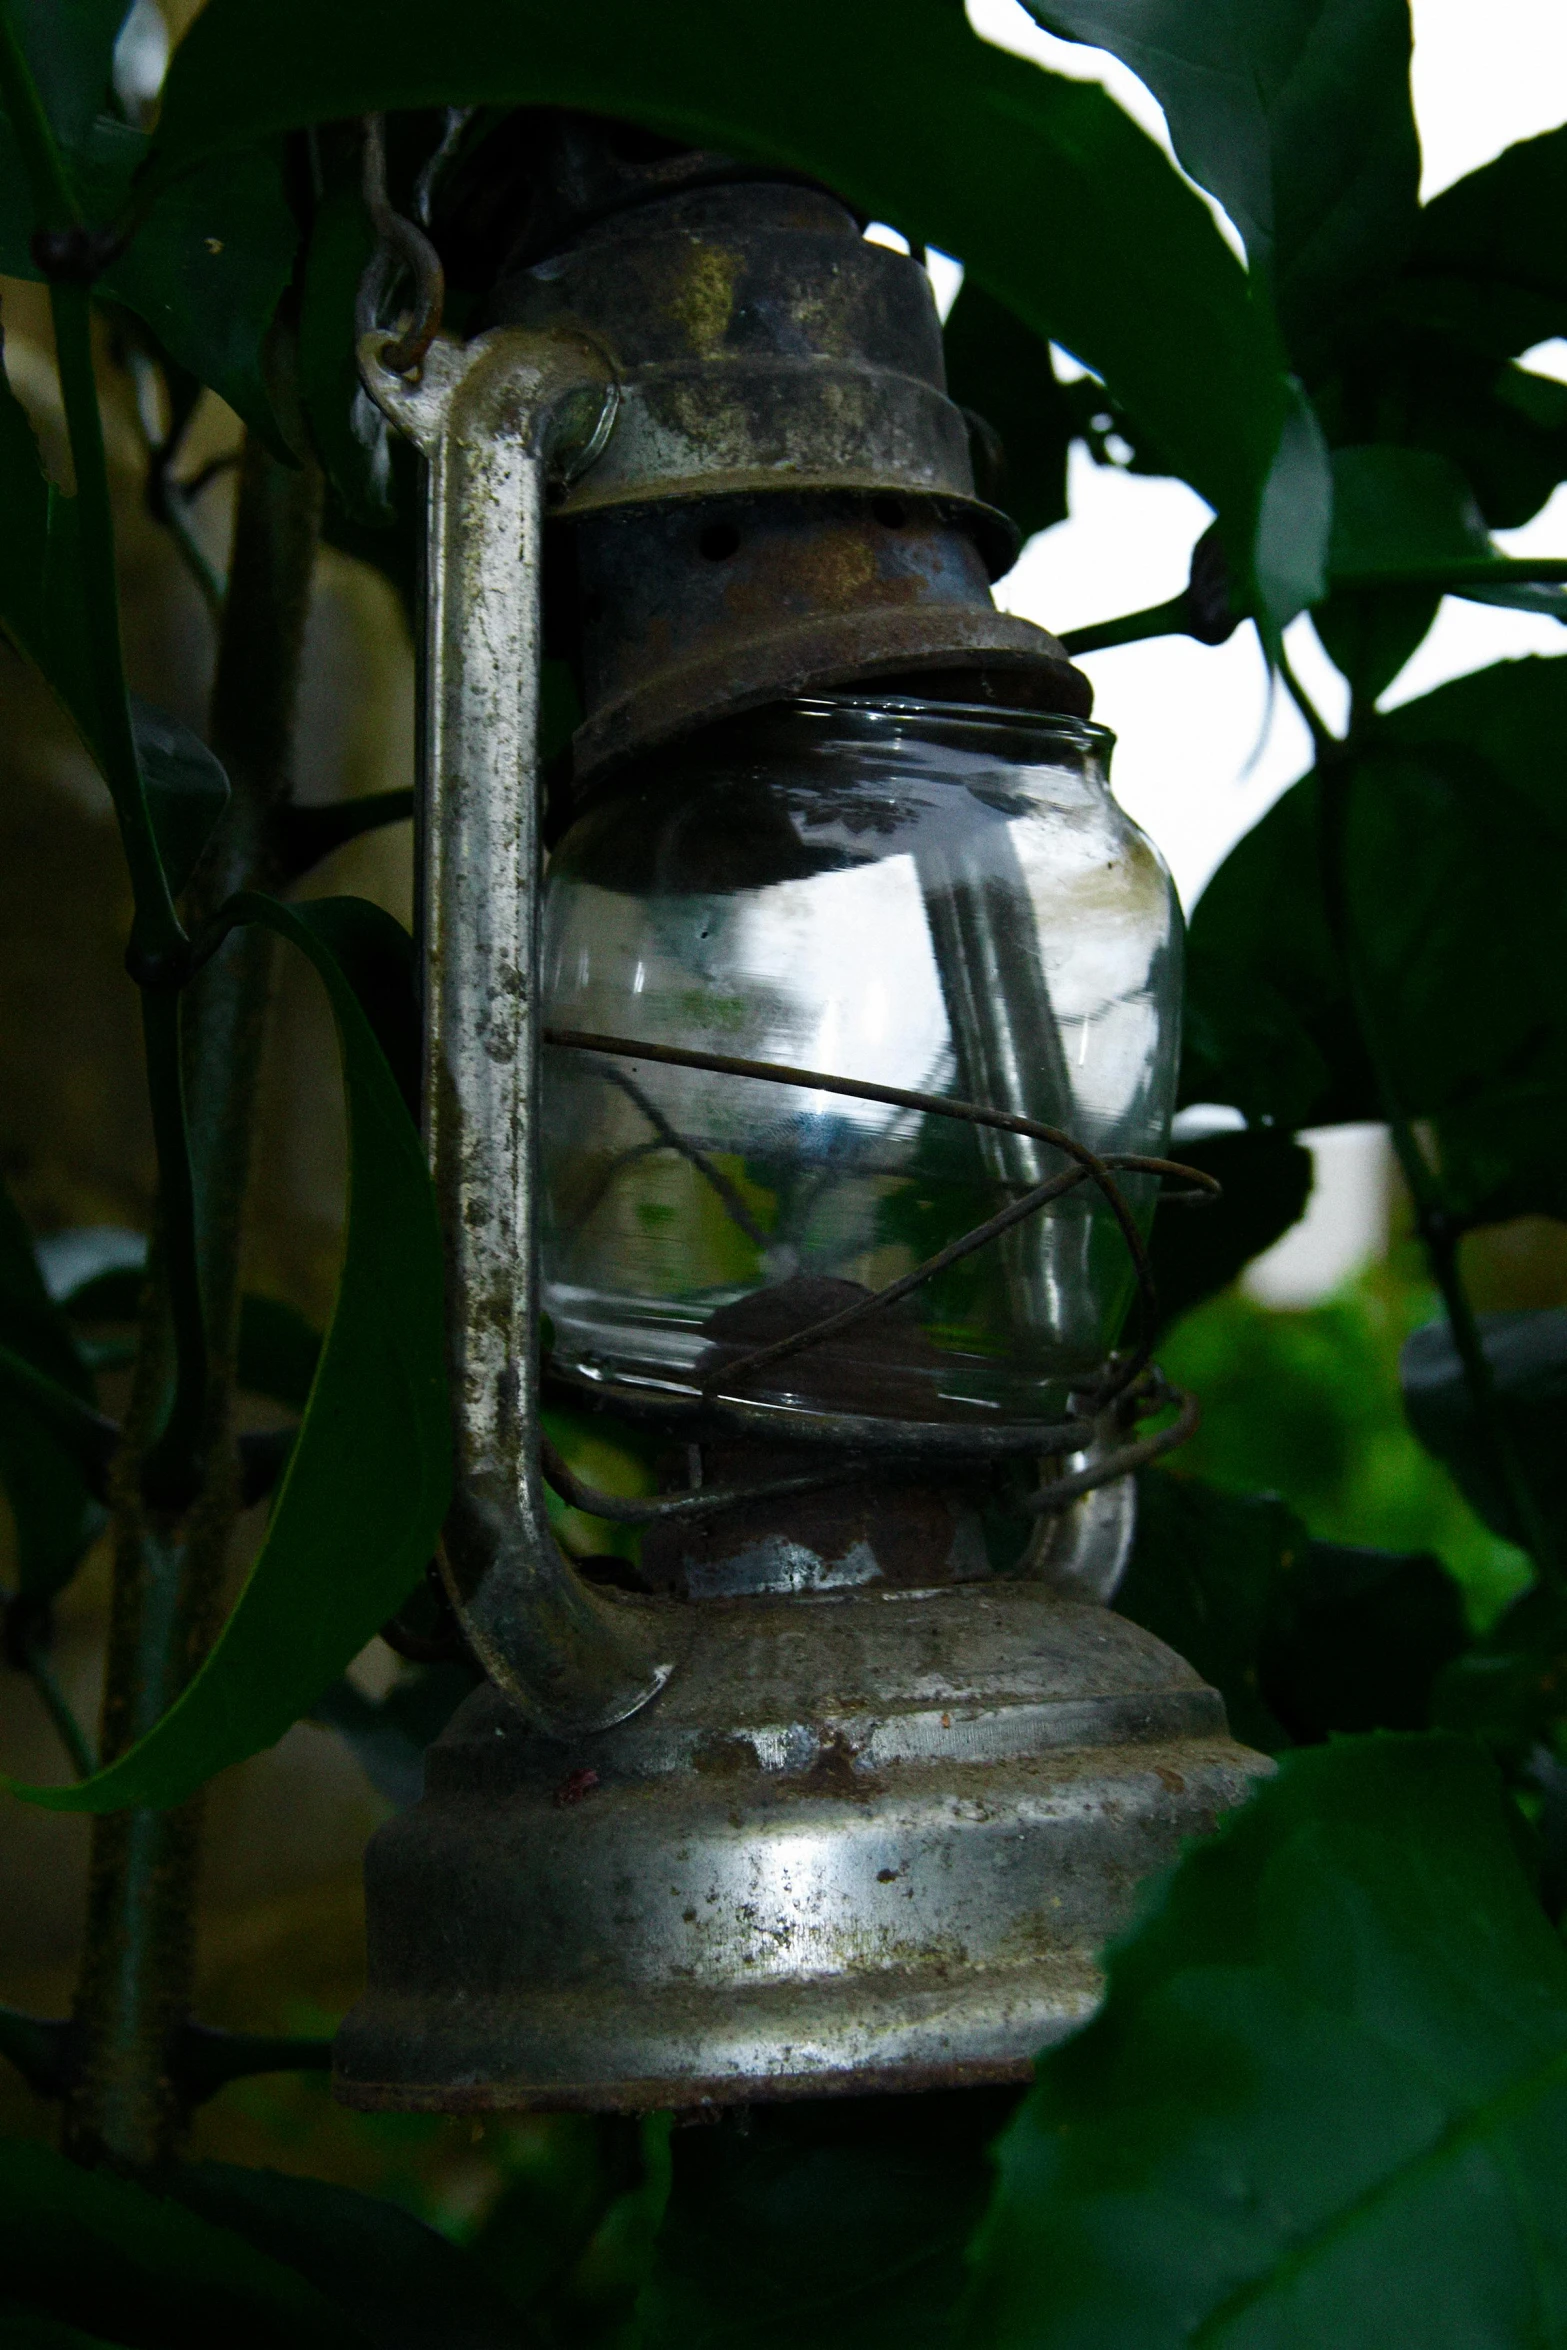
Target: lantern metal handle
496	419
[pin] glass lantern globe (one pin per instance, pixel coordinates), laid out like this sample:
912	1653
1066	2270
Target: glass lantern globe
937	898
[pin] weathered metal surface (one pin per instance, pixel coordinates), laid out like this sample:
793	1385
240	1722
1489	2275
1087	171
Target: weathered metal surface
865	1838
492	417
787	500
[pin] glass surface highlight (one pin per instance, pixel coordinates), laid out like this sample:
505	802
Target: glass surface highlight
943	899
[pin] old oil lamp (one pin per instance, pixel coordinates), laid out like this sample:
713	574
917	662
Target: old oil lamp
805	1113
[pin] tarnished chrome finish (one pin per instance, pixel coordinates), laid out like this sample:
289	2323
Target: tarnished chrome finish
1083	1552
492	418
865	1840
787	501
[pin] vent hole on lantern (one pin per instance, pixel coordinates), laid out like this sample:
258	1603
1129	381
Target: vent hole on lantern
891	513
719	541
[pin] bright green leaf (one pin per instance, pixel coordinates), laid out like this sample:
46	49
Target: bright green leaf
362	1501
1057	203
93	2251
1325	2103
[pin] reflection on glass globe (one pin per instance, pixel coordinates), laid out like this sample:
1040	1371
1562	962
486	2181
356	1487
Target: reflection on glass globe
942	899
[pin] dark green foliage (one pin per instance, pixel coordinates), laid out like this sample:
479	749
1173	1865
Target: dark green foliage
406	2287
1452	834
187	791
1527	1354
52	1512
1296	115
1327	2099
388	1735
126	2263
1000	370
843	2221
340	1554
1303	1639
1132	276
1199	1245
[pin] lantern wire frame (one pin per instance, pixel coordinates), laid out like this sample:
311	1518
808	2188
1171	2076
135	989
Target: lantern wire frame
1129	1383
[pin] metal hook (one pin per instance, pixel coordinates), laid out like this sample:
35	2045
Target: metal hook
402	246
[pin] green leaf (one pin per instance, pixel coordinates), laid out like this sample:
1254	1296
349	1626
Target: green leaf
1202	1577
1325	2103
52	1513
30	2329
1527	1354
404	2285
69	46
1302	1639
1484	270
1296	114
368	1479
841	2221
95	2252
1357	1639
1199	1248
918	121
1455	835
1408	517
207	269
1001	371
41	593
187	790
349	431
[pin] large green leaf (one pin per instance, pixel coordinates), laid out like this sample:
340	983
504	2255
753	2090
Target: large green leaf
366	1488
1325	2103
1485	268
1455	834
207	269
1296	114
1408	517
1058	204
836	2222
97	2253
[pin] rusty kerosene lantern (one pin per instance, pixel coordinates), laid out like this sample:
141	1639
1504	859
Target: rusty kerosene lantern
807	1113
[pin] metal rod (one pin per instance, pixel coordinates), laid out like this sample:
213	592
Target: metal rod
487	416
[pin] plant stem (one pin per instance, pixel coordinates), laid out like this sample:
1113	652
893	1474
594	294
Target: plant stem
58	1707
1131	628
1439	1229
130	2102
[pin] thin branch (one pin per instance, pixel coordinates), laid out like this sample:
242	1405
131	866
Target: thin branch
1132	628
69	1731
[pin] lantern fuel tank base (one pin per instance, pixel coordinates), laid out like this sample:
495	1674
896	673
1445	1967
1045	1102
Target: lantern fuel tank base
867	1840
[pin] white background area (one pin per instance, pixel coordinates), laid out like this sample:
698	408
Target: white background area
1202	750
